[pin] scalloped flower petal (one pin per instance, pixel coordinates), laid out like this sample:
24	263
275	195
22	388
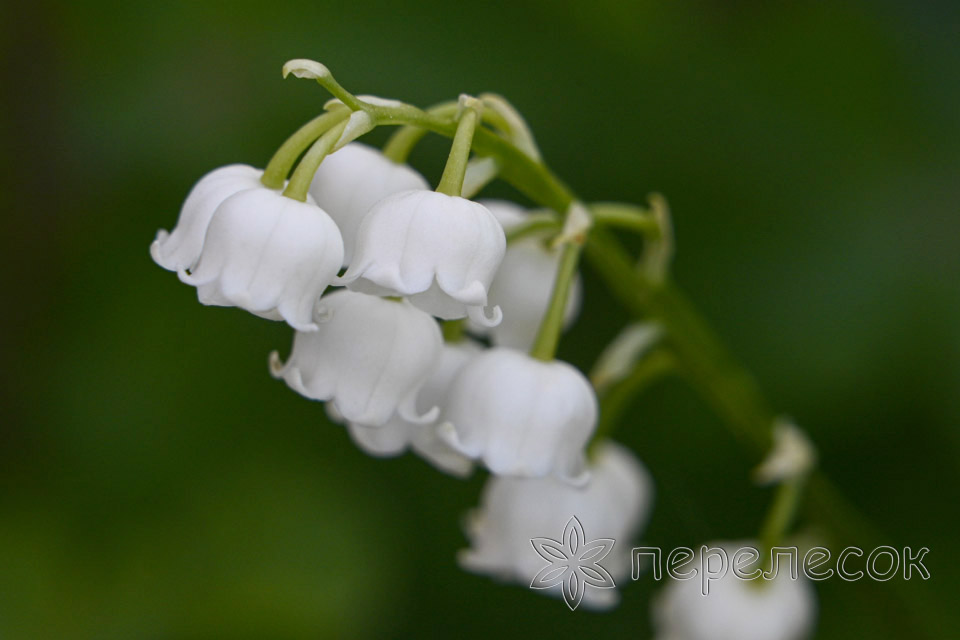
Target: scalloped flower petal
369	358
441	251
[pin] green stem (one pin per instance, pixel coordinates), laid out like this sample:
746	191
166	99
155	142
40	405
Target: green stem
529	176
783	510
330	83
283	160
299	183
545	344
700	355
735	397
451	182
401	143
534	224
453	330
610	214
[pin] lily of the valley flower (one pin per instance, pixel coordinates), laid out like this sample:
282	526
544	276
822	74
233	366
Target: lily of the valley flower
524	282
352	180
398	434
783	608
268	254
180	248
521	416
369	356
515	512
441	251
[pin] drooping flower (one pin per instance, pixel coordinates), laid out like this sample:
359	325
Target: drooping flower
268	254
518	514
521	416
369	356
524	283
441	251
782	608
398	434
180	248
353	179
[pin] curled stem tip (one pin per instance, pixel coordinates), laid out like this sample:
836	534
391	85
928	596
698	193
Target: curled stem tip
313	70
304	68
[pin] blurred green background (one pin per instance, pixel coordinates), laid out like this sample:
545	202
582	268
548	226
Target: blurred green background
155	482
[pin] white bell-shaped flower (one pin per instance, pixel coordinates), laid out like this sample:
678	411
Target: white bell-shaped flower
398	434
524	283
350	181
369	355
268	254
180	248
441	251
783	608
515	512
521	416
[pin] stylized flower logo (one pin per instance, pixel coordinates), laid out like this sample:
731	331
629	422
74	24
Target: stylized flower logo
574	563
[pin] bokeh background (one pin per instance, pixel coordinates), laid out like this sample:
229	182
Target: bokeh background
155	482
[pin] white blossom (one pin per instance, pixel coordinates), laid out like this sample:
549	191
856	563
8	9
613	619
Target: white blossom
521	416
441	251
268	254
369	356
615	504
735	609
180	248
524	283
350	181
398	434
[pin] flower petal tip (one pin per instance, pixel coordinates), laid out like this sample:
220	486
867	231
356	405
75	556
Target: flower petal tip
155	247
478	315
448	434
277	366
409	414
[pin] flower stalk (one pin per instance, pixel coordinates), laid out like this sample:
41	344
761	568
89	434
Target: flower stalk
283	160
451	182
303	175
545	345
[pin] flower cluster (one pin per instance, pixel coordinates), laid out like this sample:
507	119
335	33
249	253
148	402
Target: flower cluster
423	329
373	349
